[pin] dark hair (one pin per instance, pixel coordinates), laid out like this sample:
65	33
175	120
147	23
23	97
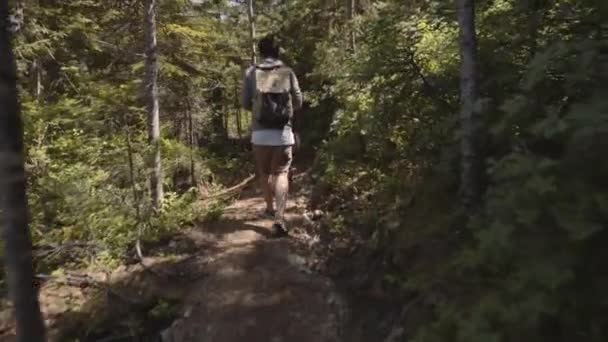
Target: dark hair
269	47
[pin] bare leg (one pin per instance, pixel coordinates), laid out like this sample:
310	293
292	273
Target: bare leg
281	188
267	191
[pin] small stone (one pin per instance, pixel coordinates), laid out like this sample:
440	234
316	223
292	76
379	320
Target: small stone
296	260
318	214
395	335
308	219
120	269
166	336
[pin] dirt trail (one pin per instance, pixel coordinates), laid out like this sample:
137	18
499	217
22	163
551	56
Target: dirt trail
258	288
222	281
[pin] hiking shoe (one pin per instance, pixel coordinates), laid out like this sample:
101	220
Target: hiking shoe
279	229
267	214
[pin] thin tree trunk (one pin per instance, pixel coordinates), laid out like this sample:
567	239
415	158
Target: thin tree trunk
38	82
225	117
13	202
237	108
191	141
139	221
535	21
178	124
470	182
251	16
239	125
156	172
351	9
36	79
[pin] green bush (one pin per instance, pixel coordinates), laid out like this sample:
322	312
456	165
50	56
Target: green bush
528	266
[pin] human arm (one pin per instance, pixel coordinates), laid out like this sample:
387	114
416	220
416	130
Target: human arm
296	92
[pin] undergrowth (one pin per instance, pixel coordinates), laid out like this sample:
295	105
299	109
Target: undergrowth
527	264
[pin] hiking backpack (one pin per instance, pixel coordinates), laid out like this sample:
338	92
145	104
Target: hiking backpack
272	104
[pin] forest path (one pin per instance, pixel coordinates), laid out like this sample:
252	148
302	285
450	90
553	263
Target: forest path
258	288
220	281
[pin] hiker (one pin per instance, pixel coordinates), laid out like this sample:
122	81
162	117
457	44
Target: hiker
272	93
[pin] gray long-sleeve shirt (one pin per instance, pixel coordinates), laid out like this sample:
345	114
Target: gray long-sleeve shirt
261	135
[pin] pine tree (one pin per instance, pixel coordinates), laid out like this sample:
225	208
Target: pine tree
13	201
470	186
251	17
151	89
350	10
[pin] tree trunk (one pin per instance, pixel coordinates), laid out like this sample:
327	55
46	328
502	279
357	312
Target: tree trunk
225	118
13	202
191	141
350	10
36	79
237	108
136	202
535	18
470	182
251	30
217	112
151	93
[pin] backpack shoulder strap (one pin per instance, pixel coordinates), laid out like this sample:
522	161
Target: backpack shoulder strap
267	67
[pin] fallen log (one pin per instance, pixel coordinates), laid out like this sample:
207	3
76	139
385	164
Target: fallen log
233	189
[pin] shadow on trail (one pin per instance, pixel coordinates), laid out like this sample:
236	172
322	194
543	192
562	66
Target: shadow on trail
226	227
223	281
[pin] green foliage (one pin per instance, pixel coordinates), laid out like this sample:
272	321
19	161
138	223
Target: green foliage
81	92
214	211
540	234
163	311
528	266
381	115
